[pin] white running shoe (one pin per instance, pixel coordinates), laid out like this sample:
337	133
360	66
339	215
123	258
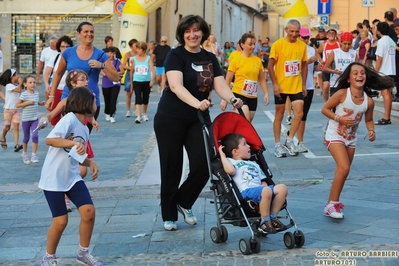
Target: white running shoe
138	120
127	113
112	119
107	117
302	147
144	117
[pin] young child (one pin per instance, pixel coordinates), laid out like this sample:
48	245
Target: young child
13	86
29	101
60	175
250	180
111	89
351	100
75	78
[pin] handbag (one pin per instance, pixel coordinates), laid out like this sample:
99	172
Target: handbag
371	53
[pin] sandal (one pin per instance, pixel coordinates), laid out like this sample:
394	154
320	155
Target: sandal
3	144
17	148
383	121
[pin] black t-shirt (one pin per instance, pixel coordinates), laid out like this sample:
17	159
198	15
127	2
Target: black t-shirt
199	70
160	53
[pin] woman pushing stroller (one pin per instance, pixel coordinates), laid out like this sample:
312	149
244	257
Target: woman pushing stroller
250	180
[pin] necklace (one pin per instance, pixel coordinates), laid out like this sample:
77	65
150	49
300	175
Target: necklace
356	96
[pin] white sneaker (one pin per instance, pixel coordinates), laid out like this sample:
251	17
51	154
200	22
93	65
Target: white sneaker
138	120
170	225
107	117
112	119
189	217
302	147
290	148
144	118
127	113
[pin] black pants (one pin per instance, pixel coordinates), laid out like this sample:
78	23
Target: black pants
142	92
89	125
173	135
110	99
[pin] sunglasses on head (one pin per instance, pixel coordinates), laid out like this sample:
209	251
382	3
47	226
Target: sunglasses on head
305	37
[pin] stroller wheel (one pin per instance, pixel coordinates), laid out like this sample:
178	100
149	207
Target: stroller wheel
255	245
299	238
245	246
289	240
218	236
225	234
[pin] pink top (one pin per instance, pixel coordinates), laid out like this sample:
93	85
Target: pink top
362	48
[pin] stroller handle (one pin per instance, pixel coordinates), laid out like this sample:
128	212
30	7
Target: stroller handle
202	120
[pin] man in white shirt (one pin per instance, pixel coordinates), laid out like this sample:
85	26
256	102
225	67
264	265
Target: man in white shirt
385	64
45	56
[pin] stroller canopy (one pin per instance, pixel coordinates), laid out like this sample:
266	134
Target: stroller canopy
229	122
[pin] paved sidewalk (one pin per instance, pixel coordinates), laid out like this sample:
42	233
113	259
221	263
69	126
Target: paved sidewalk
129	228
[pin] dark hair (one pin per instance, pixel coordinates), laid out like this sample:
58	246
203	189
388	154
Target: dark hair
5	78
26	80
132	41
246	36
63	39
79	28
359	25
383	28
226	45
188	21
110	49
355	32
313	42
72	76
388	15
375	20
80	101
366	22
231	142
374	81
107	38
396	24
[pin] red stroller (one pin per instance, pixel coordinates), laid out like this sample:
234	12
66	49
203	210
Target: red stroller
230	207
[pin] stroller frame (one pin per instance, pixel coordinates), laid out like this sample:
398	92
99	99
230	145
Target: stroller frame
230	206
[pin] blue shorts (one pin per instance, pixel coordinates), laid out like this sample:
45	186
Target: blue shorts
78	194
255	193
159	71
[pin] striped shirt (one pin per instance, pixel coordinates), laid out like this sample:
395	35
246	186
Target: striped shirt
30	112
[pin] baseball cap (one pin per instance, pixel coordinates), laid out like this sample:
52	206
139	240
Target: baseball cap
332	29
304	32
346	37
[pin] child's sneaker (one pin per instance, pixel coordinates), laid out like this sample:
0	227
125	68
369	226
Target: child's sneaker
25	158
86	258
49	261
278	225
170	225
334	210
189	217
68	205
34	158
266	228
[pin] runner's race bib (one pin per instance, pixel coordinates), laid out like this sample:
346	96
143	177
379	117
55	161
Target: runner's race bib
291	68
141	70
250	88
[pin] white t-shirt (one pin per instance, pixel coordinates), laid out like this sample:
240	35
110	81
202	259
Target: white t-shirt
55	67
1	61
341	61
386	49
309	79
11	96
60	171
248	174
46	54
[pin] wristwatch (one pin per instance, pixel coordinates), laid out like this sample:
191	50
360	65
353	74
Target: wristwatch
102	65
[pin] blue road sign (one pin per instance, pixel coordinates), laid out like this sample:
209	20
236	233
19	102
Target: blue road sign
324	7
325	20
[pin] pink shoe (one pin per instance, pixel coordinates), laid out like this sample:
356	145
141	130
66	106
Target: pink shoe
334	210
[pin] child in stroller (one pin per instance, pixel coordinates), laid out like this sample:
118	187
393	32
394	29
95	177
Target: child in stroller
251	181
